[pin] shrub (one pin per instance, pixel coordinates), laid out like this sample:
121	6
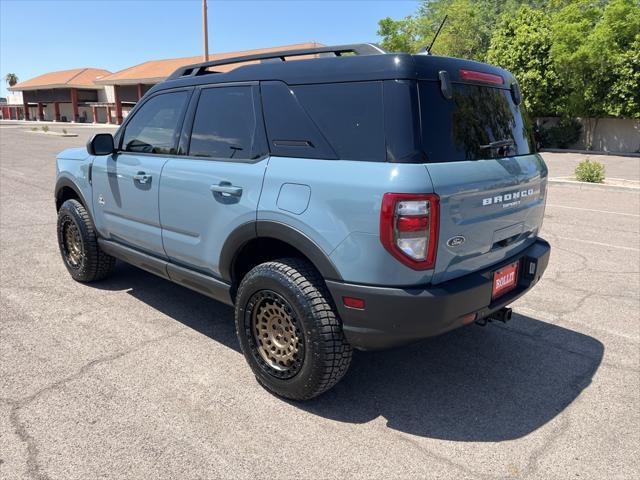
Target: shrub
563	135
64	130
45	128
34	129
588	171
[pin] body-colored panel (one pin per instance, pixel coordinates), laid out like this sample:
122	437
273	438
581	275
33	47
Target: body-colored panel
74	164
125	207
197	220
343	213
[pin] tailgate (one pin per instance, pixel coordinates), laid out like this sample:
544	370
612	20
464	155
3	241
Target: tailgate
495	213
483	166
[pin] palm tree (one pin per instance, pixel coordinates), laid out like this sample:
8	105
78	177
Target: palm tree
11	79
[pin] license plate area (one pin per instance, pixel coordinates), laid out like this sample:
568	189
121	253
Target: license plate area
505	280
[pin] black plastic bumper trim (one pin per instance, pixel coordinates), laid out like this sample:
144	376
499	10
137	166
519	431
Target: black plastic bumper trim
397	316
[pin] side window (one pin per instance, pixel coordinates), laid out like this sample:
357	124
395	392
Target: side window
156	126
350	116
226	125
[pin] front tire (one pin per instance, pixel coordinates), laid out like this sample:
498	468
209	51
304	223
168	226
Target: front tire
78	243
288	330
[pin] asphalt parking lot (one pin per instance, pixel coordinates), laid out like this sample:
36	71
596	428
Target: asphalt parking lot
135	377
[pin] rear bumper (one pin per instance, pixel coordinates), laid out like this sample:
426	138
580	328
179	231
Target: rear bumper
397	316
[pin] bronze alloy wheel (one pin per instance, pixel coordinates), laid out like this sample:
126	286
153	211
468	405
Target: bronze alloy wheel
72	243
276	338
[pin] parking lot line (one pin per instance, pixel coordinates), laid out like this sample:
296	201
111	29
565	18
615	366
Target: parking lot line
597	243
593	210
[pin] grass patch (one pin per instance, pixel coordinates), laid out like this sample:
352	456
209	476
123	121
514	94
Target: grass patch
590	171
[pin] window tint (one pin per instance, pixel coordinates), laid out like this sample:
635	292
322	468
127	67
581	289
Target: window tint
477	123
155	127
349	115
226	125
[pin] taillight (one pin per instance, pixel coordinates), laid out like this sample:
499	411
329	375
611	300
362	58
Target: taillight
409	228
483	77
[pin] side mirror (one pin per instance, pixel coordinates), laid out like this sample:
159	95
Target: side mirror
100	144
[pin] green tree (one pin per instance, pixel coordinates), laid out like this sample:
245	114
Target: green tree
521	44
466	34
591	45
11	79
623	99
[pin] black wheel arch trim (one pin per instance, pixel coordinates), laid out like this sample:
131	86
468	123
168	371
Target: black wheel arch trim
63	182
278	231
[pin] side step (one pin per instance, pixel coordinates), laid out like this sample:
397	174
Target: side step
209	286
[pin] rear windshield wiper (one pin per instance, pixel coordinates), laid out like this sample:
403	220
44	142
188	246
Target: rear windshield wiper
498	144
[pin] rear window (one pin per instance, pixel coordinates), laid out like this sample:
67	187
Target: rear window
477	123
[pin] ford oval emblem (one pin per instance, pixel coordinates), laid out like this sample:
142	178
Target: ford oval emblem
456	241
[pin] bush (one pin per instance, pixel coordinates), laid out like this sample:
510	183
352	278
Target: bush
45	128
588	171
563	135
64	130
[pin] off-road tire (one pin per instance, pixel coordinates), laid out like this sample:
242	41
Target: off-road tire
93	263
326	353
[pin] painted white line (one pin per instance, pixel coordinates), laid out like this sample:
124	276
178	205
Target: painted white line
594	210
597	243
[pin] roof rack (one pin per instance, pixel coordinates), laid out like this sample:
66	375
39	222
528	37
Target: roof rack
202	68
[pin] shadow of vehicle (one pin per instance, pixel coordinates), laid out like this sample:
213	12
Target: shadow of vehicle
487	384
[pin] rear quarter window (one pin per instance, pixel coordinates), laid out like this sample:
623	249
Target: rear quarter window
349	115
479	122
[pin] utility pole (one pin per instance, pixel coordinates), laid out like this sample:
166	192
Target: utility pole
205	33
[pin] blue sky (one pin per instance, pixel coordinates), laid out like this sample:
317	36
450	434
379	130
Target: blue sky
43	36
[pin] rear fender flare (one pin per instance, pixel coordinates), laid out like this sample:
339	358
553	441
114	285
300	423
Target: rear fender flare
278	231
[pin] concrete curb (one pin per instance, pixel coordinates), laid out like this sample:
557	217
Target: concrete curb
55	134
593	186
588	152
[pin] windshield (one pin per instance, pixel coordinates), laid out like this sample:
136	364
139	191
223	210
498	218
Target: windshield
477	123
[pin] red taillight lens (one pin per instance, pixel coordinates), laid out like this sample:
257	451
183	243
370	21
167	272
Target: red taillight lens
409	228
481	77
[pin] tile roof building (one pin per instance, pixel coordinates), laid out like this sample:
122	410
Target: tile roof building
99	96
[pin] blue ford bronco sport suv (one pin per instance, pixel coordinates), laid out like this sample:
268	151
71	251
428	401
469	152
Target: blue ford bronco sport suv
347	199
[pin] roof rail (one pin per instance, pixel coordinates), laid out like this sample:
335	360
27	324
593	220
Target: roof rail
338	50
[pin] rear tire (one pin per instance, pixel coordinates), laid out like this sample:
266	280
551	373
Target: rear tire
288	330
78	243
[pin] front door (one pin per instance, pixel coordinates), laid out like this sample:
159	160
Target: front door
214	189
126	183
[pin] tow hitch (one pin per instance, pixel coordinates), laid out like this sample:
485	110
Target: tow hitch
503	315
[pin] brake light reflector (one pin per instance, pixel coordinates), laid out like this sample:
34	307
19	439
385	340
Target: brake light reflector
353	302
409	228
481	77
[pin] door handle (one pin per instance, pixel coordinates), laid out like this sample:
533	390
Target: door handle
142	177
226	189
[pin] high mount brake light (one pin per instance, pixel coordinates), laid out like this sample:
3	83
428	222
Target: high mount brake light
481	77
409	228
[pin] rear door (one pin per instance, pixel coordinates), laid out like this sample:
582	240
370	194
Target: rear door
126	183
215	188
482	165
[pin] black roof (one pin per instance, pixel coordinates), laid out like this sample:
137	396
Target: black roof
366	63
